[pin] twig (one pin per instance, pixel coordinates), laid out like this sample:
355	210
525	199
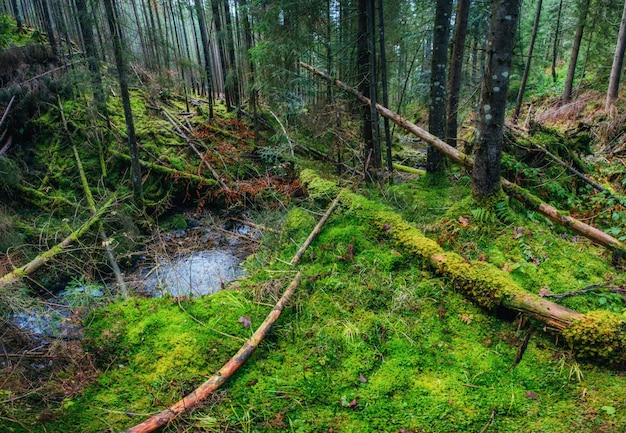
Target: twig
256	226
491	418
6	110
586	289
522	349
289	140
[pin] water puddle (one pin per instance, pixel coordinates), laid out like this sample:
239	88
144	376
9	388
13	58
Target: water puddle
198	274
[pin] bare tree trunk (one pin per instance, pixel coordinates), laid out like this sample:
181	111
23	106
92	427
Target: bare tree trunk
522	86
376	158
557	34
47	19
384	80
439	62
363	72
207	55
86	25
578	37
490	124
618	60
456	68
16	14
122	76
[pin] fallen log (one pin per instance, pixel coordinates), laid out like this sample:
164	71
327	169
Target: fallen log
194	398
521	194
103	236
169	171
26	270
597	335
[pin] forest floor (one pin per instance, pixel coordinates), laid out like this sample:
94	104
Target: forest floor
375	338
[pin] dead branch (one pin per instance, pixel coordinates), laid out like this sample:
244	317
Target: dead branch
193	399
521	194
256	226
587	289
6	110
105	240
43	258
169	171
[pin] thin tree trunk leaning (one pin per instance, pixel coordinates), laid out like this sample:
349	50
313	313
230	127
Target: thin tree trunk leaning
530	200
618	60
105	240
578	37
194	398
169	171
26	270
522	86
6	110
598	335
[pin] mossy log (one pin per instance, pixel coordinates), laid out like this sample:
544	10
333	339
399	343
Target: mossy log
598	336
521	194
103	236
193	399
170	171
29	268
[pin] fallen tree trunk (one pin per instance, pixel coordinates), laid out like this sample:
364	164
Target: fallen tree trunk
169	171
26	270
600	336
530	200
194	398
105	240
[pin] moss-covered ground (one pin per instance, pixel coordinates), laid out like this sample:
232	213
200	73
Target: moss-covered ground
372	341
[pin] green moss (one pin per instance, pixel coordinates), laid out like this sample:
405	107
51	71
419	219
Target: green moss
599	335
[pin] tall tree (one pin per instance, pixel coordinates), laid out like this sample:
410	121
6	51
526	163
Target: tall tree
555	42
376	157
16	14
363	70
122	75
456	68
488	147
529	56
437	111
86	28
47	20
207	54
384	81
618	60
578	37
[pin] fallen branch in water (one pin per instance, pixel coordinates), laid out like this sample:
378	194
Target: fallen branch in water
194	398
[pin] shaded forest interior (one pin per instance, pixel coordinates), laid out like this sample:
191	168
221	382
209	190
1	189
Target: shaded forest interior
419	209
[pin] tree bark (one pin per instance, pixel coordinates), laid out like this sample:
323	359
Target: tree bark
47	19
439	61
207	55
122	75
16	14
522	86
555	43
578	37
618	60
363	77
490	124
384	82
456	68
513	190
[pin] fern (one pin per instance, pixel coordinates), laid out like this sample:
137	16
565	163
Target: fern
483	215
503	212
